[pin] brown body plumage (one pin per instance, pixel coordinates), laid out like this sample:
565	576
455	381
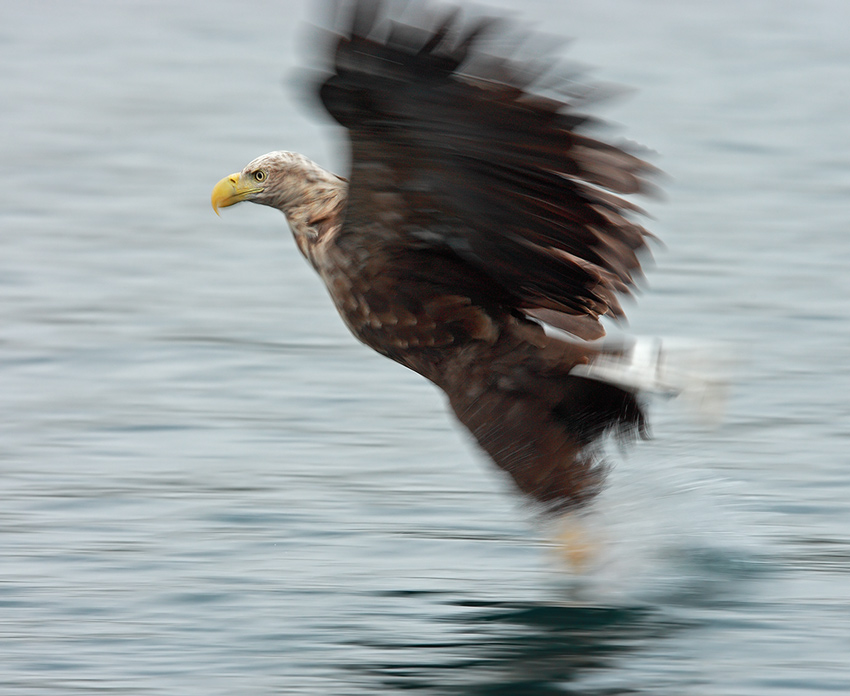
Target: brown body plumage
473	209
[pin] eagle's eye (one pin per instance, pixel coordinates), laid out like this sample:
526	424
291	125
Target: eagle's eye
259	175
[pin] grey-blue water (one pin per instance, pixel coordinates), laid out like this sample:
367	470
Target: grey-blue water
208	487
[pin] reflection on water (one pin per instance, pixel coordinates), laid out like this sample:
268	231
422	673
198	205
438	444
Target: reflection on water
541	647
208	487
515	649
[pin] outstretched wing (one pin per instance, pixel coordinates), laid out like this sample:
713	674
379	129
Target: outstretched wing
452	150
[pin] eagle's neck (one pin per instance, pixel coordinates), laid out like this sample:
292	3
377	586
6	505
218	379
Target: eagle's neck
313	200
315	223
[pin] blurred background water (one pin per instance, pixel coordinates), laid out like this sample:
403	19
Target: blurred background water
207	486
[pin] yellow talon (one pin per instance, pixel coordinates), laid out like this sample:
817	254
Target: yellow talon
575	544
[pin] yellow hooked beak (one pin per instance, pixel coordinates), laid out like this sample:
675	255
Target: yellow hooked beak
230	191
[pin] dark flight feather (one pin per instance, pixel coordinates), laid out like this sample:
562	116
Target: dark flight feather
501	175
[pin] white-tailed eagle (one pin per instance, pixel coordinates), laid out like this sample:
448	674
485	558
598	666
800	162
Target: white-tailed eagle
476	207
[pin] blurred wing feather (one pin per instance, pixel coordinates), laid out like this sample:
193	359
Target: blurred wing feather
452	151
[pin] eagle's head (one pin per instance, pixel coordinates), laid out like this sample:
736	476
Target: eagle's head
311	198
267	180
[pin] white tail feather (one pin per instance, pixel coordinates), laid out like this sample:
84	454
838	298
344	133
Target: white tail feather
699	373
